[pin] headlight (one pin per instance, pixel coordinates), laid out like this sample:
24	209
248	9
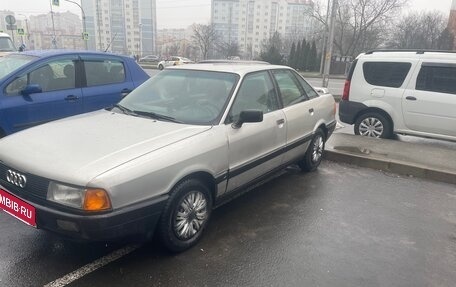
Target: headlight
89	199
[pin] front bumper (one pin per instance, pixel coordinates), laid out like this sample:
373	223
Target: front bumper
138	219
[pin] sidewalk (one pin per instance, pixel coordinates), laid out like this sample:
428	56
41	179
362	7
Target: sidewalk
394	156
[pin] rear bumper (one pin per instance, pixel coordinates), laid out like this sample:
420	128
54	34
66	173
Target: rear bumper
138	219
348	111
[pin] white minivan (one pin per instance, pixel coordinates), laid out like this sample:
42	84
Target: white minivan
401	92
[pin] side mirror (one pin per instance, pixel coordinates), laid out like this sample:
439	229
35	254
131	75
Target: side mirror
31	89
248	116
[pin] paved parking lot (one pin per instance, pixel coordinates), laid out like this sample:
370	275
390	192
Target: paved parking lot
339	226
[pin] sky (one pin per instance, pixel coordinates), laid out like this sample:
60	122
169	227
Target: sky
177	13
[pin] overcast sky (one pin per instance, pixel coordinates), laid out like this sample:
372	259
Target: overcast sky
178	13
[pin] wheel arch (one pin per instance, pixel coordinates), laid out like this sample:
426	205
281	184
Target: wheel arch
376	110
206	178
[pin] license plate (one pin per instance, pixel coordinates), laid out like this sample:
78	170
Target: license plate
17	208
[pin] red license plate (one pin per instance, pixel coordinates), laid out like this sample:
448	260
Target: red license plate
17	208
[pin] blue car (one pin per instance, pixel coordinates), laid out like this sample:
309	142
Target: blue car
41	86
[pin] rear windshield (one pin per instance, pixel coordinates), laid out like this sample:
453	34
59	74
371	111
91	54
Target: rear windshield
386	74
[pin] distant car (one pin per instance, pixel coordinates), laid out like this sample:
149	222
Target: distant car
173	61
187	140
41	86
6	44
150	59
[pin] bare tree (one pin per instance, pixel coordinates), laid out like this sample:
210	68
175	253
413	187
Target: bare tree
419	31
361	24
204	37
228	50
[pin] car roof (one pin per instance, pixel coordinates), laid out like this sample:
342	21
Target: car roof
409	54
54	52
240	69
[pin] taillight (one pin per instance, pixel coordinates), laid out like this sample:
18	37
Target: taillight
346	94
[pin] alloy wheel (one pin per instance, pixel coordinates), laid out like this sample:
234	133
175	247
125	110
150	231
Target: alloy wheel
371	127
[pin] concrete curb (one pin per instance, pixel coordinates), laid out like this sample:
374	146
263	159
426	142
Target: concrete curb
394	166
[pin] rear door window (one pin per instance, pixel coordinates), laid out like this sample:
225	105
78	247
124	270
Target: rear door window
104	72
437	78
386	74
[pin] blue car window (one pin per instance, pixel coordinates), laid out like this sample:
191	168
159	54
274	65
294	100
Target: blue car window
99	72
55	75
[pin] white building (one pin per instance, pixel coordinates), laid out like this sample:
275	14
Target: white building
251	22
67	27
121	26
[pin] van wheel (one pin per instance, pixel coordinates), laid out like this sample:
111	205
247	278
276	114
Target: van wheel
373	125
185	216
314	153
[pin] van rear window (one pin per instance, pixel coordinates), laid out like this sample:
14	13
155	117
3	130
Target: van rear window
386	74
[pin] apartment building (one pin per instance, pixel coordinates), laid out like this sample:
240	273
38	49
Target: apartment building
251	22
121	26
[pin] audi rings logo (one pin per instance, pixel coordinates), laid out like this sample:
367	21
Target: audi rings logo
16	178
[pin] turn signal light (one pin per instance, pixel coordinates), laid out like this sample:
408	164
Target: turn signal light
96	200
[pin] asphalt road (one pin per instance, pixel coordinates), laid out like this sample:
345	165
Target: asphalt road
339	226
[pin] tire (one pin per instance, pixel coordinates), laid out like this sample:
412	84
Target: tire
160	67
374	125
314	153
185	215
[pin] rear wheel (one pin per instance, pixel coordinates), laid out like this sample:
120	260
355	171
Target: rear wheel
185	215
373	124
314	154
160	67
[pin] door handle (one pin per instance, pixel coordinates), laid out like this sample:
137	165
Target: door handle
311	110
410	98
71	98
125	92
280	122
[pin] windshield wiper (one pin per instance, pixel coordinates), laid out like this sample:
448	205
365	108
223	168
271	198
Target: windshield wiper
124	110
153	115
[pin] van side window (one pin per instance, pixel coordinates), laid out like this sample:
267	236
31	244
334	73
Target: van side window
437	79
386	74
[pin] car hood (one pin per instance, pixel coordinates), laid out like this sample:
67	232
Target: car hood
79	148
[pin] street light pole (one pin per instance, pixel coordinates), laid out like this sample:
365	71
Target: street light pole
140	40
84	29
328	55
54	41
27	27
325	38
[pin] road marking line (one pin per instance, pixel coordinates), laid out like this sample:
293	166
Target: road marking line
89	268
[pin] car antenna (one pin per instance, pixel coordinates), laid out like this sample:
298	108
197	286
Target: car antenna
109	45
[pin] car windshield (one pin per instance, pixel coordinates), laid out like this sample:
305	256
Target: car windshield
10	63
185	96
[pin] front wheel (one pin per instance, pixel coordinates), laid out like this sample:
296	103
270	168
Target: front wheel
185	215
373	125
314	153
160	67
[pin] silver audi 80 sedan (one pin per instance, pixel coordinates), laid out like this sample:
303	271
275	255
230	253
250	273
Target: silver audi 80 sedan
180	144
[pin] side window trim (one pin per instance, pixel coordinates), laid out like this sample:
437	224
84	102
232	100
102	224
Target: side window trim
228	118
295	81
